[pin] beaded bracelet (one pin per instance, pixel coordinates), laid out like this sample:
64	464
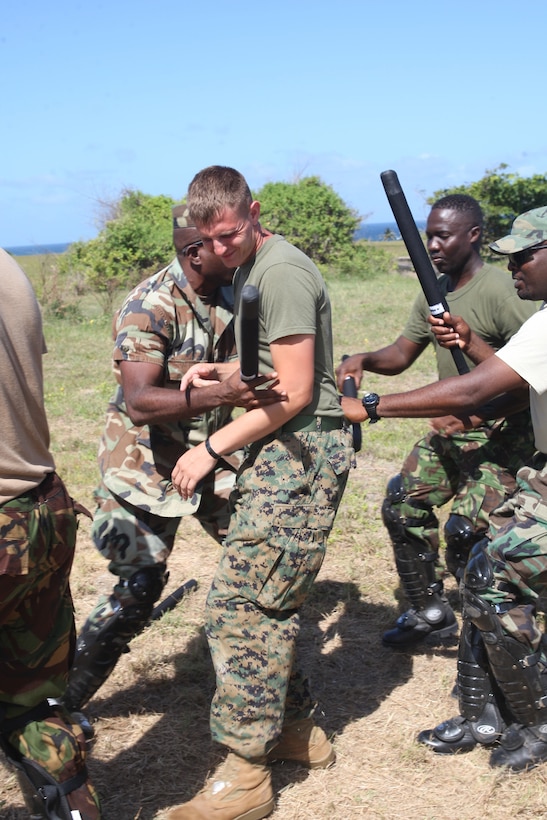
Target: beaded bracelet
210	450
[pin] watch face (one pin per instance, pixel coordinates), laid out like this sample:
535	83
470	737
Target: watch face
370	401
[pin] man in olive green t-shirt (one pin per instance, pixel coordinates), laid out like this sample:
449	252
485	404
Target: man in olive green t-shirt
471	462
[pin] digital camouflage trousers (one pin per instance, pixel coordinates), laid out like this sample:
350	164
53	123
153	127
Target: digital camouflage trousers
285	502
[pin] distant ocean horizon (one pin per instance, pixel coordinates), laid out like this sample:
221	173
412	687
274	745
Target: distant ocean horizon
375	231
34	250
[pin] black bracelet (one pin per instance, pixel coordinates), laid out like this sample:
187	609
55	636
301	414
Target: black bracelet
210	450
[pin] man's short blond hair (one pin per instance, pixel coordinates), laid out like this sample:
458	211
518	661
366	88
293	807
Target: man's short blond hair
214	189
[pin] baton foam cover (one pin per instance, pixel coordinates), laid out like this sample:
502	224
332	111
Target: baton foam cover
248	355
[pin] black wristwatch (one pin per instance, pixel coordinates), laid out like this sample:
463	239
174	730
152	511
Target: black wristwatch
370	403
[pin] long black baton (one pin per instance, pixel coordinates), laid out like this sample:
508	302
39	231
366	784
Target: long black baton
248	355
418	254
171	601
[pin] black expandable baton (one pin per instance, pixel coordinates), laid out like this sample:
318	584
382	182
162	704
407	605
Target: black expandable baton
170	601
349	389
418	254
248	355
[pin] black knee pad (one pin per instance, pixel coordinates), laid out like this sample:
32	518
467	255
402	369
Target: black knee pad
460	538
479	572
147	583
98	650
516	669
416	564
396	522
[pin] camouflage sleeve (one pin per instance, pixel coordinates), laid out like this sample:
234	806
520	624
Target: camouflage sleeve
145	325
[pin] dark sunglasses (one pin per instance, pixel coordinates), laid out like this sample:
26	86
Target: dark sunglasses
522	257
186	250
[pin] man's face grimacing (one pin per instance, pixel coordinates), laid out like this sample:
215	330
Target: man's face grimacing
232	235
451	239
529	271
204	271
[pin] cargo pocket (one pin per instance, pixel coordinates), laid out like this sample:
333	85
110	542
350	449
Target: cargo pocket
295	551
14	543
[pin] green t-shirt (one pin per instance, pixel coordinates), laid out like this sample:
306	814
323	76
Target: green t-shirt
488	303
293	300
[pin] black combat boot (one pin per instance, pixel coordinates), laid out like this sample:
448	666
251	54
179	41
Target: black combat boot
434	624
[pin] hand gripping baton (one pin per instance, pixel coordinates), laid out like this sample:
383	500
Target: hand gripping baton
418	254
248	355
349	389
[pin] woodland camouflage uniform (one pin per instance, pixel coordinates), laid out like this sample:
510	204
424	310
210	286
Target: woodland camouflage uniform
502	662
37	639
164	322
37	541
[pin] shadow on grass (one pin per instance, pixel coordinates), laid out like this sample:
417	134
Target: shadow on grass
339	648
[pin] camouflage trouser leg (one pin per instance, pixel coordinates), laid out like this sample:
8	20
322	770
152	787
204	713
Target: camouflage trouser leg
37	636
518	551
38	534
476	470
286	500
56	744
128	536
132	538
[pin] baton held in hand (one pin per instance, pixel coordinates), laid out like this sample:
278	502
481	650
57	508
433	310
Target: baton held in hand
349	389
418	254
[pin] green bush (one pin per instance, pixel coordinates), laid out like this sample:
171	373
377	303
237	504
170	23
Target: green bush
135	242
502	196
311	215
362	260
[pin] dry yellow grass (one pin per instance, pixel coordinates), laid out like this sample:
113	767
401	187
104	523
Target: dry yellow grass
153	747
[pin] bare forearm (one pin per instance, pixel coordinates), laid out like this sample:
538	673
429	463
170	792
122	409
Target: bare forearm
157	405
458	395
438	399
394	358
477	349
385	362
251	426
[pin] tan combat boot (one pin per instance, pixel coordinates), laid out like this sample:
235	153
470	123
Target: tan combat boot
305	743
240	790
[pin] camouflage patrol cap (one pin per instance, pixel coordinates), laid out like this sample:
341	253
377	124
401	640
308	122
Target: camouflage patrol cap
528	229
181	217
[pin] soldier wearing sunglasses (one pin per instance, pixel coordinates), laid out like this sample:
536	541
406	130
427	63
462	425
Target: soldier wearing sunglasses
178	317
502	663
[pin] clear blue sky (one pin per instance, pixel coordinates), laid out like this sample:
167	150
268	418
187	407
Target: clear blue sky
102	95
